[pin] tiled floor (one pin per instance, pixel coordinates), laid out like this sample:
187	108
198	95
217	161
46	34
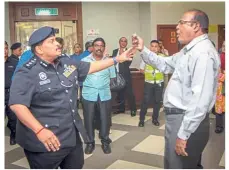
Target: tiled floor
115	135
22	162
148	145
120	164
132	147
222	161
125	119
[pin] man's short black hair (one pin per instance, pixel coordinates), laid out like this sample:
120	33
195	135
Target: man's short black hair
6	43
99	39
34	46
154	41
202	18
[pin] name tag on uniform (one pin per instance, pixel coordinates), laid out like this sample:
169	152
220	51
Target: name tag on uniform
69	70
45	82
10	66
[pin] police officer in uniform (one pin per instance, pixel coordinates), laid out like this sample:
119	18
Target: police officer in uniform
16	50
45	102
10	65
153	88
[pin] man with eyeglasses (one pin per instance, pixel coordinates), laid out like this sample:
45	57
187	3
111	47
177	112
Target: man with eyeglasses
43	96
191	92
96	94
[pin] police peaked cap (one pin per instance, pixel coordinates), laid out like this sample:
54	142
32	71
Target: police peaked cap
40	35
15	46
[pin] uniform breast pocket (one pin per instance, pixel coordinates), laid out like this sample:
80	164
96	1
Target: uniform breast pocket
46	93
10	69
72	81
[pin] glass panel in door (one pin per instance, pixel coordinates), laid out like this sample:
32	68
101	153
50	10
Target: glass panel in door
65	29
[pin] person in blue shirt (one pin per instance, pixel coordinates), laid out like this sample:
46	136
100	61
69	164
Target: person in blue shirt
78	57
88	50
77	51
96	93
26	56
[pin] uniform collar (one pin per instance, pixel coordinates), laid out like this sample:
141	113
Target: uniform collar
195	41
45	63
93	59
14	57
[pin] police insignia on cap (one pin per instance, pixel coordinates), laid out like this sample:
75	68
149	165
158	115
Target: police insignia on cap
42	76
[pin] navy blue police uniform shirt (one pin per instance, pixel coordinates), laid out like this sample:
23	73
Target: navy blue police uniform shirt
10	66
50	93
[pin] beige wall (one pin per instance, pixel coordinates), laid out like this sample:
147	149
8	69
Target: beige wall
113	19
145	25
171	12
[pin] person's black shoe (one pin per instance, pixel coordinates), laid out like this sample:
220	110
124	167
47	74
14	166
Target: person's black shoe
219	129
106	148
199	167
155	122
89	148
12	139
141	124
133	113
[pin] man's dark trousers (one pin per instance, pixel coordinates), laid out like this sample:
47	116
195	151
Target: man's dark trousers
105	119
152	93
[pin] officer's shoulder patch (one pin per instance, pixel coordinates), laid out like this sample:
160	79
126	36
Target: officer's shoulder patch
64	55
32	62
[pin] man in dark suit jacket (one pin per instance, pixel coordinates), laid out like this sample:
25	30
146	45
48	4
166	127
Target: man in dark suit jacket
124	70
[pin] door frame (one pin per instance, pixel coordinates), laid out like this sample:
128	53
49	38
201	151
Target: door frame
167	26
164	26
76	6
219	39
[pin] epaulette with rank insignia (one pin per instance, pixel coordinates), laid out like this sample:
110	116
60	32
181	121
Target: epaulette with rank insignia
64	55
32	62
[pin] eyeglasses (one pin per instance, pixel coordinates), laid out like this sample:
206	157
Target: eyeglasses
96	46
182	22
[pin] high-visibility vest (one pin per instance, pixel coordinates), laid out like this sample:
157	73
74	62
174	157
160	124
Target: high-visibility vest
153	75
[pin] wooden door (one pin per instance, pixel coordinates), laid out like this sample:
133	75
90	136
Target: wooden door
69	34
67	11
221	35
167	33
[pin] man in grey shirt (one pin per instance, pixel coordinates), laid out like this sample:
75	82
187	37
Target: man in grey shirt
191	92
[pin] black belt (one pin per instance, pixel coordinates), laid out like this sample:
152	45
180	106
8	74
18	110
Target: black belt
173	111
